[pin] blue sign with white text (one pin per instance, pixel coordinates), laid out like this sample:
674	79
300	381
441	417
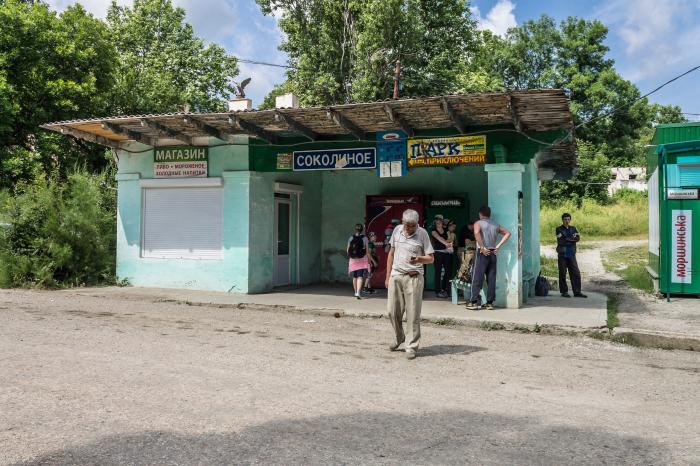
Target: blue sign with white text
335	159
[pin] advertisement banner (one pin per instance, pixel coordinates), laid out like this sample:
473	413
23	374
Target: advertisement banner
681	246
335	159
180	162
458	150
284	161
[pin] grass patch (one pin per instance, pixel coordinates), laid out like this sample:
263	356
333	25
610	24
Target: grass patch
613	302
629	262
622	219
549	266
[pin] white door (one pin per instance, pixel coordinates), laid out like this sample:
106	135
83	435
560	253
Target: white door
282	245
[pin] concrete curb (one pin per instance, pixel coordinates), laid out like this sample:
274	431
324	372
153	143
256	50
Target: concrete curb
434	320
635	337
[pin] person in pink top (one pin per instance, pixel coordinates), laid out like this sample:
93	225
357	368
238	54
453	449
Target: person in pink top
358	263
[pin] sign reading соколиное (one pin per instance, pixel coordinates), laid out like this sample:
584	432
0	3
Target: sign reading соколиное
335	159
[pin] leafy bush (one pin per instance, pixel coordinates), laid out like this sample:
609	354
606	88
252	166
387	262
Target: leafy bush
60	233
630	195
621	219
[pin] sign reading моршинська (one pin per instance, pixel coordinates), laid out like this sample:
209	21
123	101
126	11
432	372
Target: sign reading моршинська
180	162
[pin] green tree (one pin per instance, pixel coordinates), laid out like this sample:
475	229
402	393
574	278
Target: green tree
345	50
590	181
52	67
573	56
162	65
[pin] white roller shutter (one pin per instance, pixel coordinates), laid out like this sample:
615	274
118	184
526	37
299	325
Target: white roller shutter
183	223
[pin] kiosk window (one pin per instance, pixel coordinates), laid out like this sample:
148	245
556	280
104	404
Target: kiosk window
689	174
183	223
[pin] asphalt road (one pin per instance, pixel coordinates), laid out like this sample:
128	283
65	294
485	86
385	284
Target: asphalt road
90	380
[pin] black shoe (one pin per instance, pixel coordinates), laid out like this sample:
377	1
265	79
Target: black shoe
565	295
580	295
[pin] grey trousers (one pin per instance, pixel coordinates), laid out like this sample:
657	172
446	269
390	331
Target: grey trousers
405	295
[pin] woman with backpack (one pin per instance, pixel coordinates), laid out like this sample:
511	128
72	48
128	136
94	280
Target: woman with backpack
358	262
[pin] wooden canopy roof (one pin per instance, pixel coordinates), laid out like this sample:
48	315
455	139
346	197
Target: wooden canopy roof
526	111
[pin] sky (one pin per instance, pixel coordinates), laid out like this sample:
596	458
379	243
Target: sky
651	41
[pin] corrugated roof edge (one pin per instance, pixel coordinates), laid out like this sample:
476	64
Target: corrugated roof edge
151	115
678	125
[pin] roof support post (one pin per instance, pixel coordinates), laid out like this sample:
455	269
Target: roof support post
341	120
452	114
514	114
403	124
166	130
252	129
296	126
135	135
208	129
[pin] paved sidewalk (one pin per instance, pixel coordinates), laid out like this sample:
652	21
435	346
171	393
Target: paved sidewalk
548	311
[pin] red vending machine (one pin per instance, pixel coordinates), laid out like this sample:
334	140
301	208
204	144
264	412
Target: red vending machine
383	213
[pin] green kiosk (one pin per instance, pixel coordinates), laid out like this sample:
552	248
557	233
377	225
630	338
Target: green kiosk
674	208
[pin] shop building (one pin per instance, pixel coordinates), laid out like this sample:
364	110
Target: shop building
247	201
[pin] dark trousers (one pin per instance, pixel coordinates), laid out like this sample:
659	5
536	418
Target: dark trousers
484	266
569	263
443	261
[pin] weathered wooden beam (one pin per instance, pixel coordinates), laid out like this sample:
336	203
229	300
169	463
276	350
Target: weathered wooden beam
344	122
452	114
171	133
514	114
135	135
252	129
394	117
209	129
296	126
78	134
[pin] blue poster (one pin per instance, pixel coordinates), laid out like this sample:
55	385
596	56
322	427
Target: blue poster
335	159
391	153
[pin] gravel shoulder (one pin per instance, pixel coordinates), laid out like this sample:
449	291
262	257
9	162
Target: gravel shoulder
89	380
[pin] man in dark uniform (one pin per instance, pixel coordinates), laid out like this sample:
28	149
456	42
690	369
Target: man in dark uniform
567	237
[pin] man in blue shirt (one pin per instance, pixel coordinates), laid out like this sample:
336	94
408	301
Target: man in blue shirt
567	237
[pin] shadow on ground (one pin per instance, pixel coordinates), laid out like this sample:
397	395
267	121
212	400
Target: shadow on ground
438	350
370	437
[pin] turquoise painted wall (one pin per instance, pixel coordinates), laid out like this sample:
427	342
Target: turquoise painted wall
504	182
229	274
262	228
531	224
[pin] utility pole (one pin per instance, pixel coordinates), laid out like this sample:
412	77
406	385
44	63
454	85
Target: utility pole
397	73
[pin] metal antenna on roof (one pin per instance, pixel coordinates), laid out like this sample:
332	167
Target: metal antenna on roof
397	73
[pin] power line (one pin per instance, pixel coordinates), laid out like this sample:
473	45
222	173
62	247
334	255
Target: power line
631	102
254	62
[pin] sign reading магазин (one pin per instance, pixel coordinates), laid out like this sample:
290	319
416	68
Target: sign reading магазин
335	159
180	162
457	150
682	246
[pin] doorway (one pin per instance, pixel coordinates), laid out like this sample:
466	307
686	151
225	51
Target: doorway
282	263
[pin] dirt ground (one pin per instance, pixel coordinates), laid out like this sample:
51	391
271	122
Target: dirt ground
89	380
636	309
